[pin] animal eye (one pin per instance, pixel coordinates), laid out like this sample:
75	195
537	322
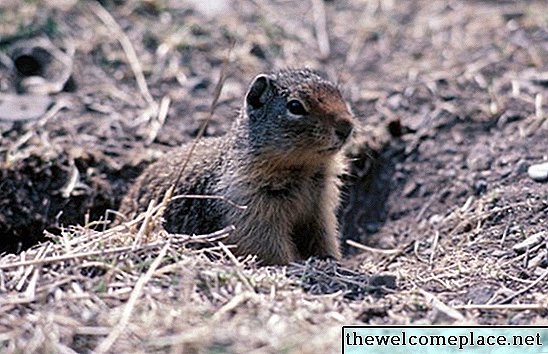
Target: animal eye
296	107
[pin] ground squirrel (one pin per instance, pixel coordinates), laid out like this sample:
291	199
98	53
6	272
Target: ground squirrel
281	159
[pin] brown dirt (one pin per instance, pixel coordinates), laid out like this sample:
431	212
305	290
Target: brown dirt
450	99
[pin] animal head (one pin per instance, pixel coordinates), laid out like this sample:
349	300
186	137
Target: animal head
296	116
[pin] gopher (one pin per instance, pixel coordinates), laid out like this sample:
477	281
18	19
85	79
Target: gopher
282	159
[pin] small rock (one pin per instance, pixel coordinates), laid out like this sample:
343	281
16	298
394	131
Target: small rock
480	187
479	293
479	159
538	172
521	166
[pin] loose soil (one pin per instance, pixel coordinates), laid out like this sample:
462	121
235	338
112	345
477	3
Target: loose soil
450	102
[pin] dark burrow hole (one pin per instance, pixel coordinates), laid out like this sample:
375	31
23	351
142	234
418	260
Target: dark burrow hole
31	197
28	65
33	61
364	206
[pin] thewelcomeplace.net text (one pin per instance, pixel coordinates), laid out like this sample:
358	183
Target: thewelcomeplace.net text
352	338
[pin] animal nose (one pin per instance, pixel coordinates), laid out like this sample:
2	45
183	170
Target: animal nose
343	128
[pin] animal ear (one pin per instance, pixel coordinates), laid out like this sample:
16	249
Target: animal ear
259	91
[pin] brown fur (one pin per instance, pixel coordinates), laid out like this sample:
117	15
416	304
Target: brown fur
284	168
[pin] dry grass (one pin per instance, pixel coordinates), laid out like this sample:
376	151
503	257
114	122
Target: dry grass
100	291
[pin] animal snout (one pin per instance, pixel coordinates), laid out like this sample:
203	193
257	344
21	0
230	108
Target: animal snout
343	129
